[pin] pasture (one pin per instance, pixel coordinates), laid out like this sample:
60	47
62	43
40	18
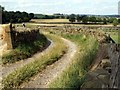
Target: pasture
115	35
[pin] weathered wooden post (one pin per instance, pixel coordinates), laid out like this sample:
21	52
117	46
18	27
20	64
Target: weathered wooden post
6	33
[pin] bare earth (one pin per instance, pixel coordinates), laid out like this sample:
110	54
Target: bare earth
7	69
101	54
43	79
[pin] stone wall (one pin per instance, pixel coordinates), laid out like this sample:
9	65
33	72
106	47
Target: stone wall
24	36
12	37
114	56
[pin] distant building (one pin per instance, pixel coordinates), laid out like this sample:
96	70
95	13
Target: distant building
119	8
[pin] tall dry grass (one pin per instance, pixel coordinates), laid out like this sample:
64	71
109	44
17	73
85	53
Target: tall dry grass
73	76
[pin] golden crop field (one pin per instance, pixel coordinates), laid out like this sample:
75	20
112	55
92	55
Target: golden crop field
50	20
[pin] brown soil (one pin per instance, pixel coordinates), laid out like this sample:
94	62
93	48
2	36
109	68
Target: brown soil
101	54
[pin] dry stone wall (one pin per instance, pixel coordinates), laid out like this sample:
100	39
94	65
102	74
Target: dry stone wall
24	36
114	56
12	37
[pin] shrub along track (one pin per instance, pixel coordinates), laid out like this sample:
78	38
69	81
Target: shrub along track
42	79
32	66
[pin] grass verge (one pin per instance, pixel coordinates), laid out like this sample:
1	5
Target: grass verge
23	74
73	76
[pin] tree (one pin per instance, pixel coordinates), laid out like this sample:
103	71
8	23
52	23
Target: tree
111	20
1	8
104	21
78	18
20	20
99	19
26	19
72	18
31	15
15	17
115	22
119	20
84	19
92	19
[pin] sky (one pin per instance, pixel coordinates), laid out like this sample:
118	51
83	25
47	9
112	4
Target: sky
98	7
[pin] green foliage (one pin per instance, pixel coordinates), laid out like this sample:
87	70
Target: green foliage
84	19
104	21
119	20
111	20
72	18
26	19
19	20
115	22
78	18
92	19
31	15
16	17
55	16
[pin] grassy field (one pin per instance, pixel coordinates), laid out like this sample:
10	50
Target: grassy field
115	35
73	76
53	22
50	20
116	38
23	74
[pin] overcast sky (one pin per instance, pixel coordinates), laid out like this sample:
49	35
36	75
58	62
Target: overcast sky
102	7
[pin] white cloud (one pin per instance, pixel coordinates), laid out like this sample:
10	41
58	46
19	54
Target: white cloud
62	6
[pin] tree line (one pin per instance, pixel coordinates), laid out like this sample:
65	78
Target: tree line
15	17
93	19
54	16
85	19
19	17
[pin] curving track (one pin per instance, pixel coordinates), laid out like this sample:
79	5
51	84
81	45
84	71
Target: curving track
42	79
7	69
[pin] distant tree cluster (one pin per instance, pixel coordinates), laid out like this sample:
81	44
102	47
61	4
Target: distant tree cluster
41	16
93	19
16	17
54	16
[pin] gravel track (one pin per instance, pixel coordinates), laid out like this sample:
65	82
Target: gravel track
42	79
7	69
